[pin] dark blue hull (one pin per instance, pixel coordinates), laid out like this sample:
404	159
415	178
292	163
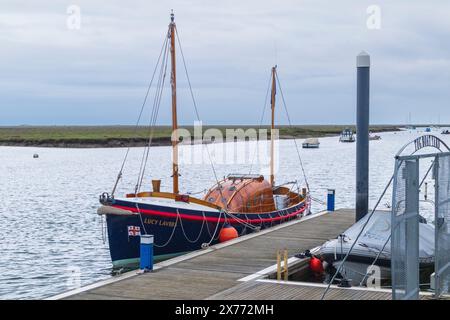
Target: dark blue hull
177	231
169	241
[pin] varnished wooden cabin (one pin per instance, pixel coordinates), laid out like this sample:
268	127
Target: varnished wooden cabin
251	193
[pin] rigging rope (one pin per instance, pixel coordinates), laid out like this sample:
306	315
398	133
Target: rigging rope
318	201
119	175
375	260
184	232
198	119
152	121
290	125
154	116
260	124
215	230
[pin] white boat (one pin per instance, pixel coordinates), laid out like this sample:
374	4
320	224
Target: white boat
374	239
347	136
311	143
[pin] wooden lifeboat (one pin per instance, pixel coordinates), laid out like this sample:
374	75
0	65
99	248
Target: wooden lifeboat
237	205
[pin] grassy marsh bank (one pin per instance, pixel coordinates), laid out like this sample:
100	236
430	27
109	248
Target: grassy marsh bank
122	136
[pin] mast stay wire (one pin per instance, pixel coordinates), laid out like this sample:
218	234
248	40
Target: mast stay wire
290	125
224	202
195	105
154	115
155	100
119	175
260	123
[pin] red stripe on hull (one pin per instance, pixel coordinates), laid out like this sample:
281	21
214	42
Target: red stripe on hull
209	219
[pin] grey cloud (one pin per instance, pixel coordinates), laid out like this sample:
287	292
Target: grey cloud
98	74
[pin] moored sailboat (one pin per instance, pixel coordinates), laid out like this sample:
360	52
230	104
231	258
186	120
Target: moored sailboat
181	223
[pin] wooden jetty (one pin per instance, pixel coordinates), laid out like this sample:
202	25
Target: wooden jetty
237	269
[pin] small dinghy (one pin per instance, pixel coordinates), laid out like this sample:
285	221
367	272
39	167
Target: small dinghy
375	239
311	143
445	132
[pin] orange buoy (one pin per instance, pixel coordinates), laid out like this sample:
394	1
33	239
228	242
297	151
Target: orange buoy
315	265
227	233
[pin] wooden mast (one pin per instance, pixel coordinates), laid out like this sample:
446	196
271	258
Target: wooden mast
173	81
272	128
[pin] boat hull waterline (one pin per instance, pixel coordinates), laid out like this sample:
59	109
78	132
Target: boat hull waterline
178	231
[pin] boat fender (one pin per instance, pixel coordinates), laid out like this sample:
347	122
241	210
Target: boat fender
105	210
315	264
227	233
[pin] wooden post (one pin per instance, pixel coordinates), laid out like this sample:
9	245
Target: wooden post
285	265
278	265
173	81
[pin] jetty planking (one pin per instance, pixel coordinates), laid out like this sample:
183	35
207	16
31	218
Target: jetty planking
202	275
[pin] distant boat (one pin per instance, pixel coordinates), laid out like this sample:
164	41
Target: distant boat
428	129
374	137
445	132
347	136
311	143
35	155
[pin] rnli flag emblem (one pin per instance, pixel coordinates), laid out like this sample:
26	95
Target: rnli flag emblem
134	231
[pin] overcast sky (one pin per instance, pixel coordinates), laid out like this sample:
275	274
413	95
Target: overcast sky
98	74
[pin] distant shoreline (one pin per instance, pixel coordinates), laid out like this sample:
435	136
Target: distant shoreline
128	136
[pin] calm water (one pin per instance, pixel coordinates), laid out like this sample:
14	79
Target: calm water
51	237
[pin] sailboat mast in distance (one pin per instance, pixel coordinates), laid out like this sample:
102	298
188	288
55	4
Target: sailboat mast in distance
173	81
272	104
